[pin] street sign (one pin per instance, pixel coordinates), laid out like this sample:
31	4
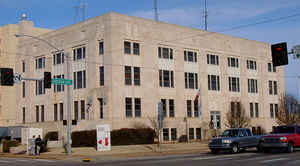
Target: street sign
296	52
59	81
17	78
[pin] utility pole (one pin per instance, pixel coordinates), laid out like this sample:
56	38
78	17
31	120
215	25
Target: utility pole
205	15
155	11
68	87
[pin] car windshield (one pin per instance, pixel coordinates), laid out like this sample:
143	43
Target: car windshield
230	133
284	129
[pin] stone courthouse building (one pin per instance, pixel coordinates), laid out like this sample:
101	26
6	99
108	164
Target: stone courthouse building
122	66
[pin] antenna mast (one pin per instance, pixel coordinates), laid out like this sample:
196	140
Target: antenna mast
155	10
205	15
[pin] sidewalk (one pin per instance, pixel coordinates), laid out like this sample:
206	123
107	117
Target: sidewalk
120	152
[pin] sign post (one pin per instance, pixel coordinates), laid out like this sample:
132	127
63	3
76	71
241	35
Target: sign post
103	137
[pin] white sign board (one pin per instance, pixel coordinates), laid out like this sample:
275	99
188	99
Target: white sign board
103	137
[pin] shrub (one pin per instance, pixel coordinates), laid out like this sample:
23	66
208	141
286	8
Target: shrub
182	138
123	136
9	143
51	136
84	138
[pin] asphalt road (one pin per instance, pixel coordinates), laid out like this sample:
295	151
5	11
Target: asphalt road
241	159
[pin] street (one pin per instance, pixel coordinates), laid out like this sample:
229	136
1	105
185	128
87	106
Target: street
245	158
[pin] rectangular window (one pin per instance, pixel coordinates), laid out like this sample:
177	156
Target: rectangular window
171	108
271	111
214	82
101	48
164	102
270	88
190	56
42	113
76	110
198	133
256	110
82	108
212	59
173	134
128	107
58	58
234	84
127	75
165	53
101	108
191	134
166	134
101	75
233	62
269	67
251	64
24	115
23	90
61	111
251	110
166	78
23	66
137	102
39	87
136	73
275	87
37	114
55	112
189	108
79	53
40	63
252	86
136	48
191	80
276	110
127	47
80	79
196	111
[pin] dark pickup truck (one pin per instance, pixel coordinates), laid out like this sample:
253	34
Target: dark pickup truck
282	137
234	140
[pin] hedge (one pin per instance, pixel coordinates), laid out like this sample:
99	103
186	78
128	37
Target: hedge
51	136
9	143
123	136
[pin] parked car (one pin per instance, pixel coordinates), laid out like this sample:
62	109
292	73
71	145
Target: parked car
282	137
234	140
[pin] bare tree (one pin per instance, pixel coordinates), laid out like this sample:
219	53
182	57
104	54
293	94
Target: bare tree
288	112
236	116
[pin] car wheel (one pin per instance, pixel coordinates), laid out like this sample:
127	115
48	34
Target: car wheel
214	151
259	147
235	148
290	148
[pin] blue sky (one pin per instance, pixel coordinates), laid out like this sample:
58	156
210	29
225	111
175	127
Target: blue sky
222	15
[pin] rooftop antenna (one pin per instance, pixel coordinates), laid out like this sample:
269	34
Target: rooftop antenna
155	10
205	15
80	11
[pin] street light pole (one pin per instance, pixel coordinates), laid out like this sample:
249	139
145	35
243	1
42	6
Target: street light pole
68	88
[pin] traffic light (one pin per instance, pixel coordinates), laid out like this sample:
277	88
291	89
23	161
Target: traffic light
74	122
65	122
47	79
279	54
7	76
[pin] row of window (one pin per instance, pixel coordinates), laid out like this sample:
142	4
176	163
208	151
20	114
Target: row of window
58	111
194	133
133	108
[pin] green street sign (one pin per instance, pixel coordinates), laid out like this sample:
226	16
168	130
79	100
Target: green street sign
59	81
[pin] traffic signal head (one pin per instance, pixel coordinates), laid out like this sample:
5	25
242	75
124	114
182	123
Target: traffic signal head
47	79
7	76
279	54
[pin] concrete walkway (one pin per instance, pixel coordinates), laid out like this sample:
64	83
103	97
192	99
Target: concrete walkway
120	152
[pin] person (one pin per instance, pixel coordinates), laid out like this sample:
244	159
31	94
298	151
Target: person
38	145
